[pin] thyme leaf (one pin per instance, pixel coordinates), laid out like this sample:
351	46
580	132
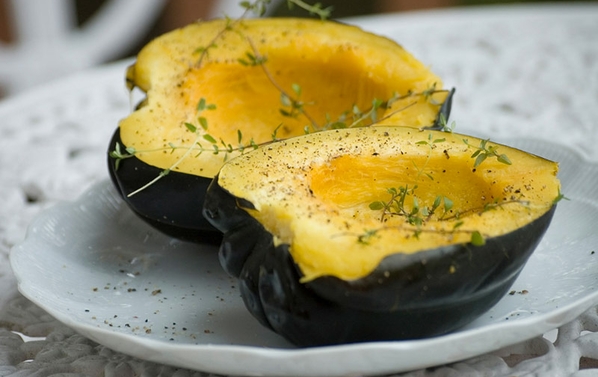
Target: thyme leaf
477	239
483	151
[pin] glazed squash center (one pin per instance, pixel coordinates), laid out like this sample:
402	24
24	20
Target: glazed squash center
252	95
353	183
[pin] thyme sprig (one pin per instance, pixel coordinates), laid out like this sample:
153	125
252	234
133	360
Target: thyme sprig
444	126
484	150
287	99
315	9
118	154
204	51
559	197
200	129
358	118
418	214
293	106
259	9
201	106
476	237
431	144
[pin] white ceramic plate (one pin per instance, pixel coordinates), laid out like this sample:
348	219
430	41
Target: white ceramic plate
94	266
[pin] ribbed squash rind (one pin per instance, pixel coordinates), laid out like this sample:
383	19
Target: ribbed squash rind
406	295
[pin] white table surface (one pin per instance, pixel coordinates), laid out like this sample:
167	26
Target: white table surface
529	71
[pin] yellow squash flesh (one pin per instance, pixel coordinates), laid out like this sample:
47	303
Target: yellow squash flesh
314	193
336	67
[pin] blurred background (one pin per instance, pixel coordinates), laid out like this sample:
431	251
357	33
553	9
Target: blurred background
44	39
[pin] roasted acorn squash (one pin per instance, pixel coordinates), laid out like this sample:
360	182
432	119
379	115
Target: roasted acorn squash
215	86
378	233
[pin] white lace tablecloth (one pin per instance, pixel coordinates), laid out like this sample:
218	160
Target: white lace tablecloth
518	70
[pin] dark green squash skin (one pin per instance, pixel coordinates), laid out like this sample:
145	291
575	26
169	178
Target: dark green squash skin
405	297
173	205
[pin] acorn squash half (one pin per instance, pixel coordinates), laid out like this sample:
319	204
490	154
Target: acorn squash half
378	233
214	88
